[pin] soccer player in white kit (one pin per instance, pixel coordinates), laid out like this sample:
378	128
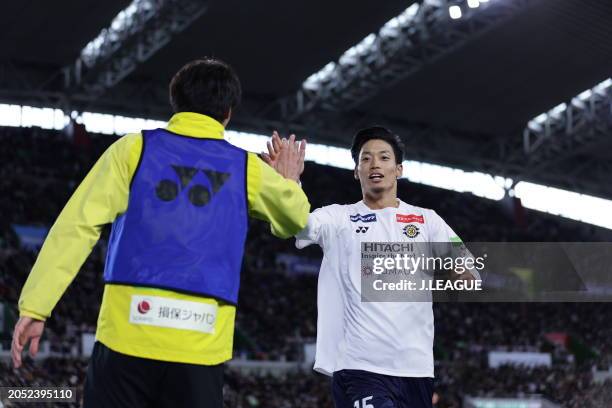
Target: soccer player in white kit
379	354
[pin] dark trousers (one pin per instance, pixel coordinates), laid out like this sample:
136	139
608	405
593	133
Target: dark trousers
363	389
120	381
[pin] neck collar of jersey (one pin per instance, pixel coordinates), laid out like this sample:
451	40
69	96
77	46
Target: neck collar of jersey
399	204
195	125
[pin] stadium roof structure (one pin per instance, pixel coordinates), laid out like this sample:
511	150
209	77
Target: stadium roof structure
467	106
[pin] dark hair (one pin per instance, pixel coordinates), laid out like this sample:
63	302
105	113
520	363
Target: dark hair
377	132
208	86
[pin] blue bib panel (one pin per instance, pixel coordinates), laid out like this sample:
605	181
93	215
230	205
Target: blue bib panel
186	221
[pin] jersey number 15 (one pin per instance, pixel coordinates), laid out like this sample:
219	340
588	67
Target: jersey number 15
364	403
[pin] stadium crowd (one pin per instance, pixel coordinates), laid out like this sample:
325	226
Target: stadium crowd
277	309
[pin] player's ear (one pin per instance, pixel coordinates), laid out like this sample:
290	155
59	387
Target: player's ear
355	173
399	170
227	117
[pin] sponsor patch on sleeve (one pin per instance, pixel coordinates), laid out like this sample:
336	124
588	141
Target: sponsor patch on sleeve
456	241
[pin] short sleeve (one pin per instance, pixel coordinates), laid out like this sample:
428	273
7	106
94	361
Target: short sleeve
319	227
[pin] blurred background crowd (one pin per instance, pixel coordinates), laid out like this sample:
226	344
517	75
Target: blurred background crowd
277	306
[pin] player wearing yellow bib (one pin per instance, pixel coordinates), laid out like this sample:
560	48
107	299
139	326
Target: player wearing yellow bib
178	199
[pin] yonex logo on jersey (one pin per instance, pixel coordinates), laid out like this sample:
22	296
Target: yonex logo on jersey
408	218
363	218
199	195
411	230
362	230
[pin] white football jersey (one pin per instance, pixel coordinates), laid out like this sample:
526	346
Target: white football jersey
392	338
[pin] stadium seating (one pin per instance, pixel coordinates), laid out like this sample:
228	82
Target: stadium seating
277	309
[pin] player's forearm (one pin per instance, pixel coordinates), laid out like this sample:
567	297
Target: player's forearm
60	259
293	217
274	199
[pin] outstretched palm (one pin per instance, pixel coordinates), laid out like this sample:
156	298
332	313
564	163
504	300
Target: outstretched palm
286	156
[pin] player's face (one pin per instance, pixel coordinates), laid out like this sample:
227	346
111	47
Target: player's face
376	170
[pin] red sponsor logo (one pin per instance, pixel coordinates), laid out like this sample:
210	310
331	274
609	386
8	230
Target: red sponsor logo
407	218
144	307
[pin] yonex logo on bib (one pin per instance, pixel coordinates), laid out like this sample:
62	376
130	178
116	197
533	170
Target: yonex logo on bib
363	218
199	195
173	313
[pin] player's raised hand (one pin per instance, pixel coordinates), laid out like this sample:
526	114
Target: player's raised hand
291	158
286	156
274	146
26	330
